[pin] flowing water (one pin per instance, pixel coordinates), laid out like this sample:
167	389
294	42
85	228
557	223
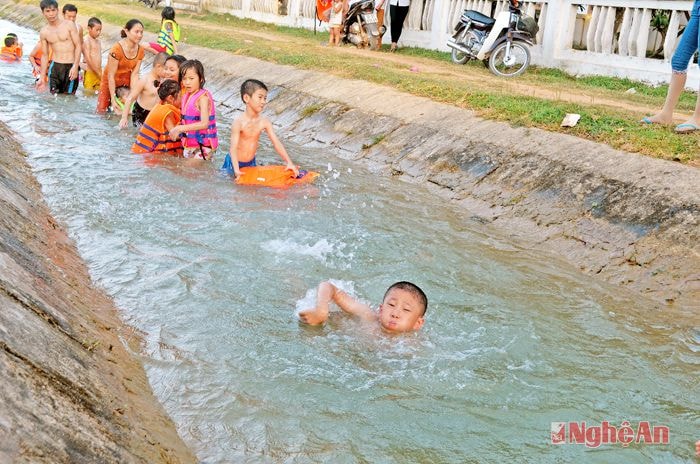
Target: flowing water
212	275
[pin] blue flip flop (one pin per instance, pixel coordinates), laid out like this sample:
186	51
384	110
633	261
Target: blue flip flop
686	128
646	120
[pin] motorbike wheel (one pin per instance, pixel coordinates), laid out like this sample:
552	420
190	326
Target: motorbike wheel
512	65
459	57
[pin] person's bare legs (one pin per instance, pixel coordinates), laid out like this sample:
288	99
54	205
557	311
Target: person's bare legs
692	124
675	87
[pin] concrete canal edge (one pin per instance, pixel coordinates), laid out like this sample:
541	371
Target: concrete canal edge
71	390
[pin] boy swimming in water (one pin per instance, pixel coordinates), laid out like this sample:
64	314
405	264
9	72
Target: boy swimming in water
402	310
246	130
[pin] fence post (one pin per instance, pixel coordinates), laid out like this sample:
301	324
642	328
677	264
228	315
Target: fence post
440	23
558	30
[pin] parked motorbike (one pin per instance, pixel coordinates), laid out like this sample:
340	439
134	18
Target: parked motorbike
503	41
361	27
155	3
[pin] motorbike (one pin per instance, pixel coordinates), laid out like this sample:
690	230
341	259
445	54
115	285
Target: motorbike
361	27
503	43
155	3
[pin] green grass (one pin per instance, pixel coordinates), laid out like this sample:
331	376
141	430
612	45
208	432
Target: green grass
469	86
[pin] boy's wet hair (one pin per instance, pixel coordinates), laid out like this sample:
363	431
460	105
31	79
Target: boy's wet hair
69	7
411	288
10	41
129	26
168	13
178	58
160	58
198	68
250	86
92	22
44	4
167	88
122	91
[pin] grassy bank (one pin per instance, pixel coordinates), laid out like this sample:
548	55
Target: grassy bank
540	98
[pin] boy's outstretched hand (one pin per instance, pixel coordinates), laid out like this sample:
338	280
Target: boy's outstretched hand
314	316
293	168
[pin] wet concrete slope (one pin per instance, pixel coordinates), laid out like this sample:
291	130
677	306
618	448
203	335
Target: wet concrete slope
71	392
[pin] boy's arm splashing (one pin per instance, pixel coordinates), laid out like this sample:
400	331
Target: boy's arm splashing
328	292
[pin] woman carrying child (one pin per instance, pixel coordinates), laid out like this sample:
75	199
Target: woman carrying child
123	65
198	127
154	134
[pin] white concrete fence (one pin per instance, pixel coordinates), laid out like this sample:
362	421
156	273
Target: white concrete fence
608	37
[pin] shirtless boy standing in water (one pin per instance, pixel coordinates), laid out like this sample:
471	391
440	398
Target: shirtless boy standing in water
246	130
61	36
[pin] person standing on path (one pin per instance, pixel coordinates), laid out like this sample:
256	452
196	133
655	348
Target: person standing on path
679	74
398	10
379	6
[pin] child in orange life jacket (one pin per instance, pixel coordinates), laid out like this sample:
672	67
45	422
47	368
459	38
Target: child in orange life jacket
35	61
198	126
153	136
12	50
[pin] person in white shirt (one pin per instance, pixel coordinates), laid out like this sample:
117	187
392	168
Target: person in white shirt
398	9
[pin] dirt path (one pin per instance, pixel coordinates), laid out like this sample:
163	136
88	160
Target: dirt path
479	78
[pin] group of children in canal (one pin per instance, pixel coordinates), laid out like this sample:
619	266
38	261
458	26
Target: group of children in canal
175	115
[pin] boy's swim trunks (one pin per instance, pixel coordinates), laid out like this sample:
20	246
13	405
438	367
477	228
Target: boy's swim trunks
91	80
245	164
58	79
138	114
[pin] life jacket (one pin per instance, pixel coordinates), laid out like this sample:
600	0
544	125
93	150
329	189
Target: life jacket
153	137
164	37
36	59
323	10
13	53
190	115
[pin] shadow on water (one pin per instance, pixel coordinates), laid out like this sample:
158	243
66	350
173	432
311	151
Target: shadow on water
212	275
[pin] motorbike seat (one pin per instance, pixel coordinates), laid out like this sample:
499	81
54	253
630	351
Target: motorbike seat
479	18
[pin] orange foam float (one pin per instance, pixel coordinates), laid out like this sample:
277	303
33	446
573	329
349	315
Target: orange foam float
274	176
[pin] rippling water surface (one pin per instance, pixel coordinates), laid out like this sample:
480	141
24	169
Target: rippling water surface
212	275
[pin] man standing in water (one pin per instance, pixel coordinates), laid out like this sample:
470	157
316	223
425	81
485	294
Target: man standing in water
61	37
